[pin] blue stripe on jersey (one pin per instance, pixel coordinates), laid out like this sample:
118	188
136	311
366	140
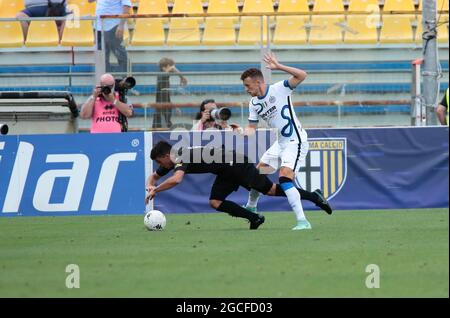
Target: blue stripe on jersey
253	121
267	91
286	84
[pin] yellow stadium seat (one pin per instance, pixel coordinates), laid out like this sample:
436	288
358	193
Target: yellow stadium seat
187	6
148	32
328	5
80	33
363	6
42	33
223	6
397	29
290	30
219	31
9	8
362	29
183	31
442	30
398	5
326	29
300	6
82	7
11	34
440	5
250	31
152	7
260	6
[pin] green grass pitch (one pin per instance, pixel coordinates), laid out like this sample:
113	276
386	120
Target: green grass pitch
214	255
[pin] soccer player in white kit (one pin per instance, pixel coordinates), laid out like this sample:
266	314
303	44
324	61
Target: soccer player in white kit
272	103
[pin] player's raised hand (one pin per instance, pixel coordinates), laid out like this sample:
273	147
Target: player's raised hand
271	61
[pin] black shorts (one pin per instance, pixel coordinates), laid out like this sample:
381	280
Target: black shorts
239	175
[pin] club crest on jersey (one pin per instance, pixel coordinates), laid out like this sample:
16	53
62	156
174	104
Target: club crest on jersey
326	166
272	99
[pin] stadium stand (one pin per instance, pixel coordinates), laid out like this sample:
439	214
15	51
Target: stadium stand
11	34
250	31
362	29
42	33
80	34
153	7
326	29
9	8
363	6
300	6
398	5
259	6
328	5
223	6
219	31
360	68
148	32
290	30
397	29
82	7
183	31
187	6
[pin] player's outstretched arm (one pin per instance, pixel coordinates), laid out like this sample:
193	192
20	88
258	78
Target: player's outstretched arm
151	181
298	75
171	182
166	185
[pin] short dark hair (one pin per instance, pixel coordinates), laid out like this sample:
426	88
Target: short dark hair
162	148
252	73
165	61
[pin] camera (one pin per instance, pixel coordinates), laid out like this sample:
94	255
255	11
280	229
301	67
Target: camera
3	129
221	113
106	90
122	86
125	84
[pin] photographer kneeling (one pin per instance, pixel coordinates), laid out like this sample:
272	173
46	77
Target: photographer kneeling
105	108
212	117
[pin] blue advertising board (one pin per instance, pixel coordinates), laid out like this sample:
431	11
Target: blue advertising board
92	174
374	168
72	174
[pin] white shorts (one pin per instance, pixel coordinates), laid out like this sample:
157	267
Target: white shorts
291	155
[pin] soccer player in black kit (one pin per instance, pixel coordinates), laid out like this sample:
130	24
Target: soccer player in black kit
232	170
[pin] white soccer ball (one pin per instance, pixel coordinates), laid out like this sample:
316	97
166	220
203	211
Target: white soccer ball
155	220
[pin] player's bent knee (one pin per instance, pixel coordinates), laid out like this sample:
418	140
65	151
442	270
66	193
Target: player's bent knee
215	204
287	172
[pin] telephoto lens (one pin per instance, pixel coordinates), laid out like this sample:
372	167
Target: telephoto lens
4	129
129	82
221	113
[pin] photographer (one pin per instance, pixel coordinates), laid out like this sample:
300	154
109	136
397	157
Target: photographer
205	120
104	106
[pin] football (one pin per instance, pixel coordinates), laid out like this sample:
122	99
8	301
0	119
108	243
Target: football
155	220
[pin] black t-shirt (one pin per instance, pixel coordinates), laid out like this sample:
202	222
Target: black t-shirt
204	160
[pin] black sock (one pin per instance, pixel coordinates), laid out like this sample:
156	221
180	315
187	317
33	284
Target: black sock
234	209
305	195
309	196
